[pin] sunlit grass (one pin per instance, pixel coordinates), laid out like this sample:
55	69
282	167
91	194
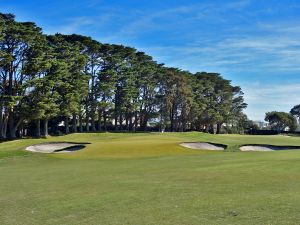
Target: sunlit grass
147	178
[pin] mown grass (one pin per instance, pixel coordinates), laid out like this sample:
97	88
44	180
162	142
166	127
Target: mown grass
147	178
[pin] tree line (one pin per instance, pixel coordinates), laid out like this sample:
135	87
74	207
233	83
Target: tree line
80	84
282	121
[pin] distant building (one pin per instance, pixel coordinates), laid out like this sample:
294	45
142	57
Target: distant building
262	125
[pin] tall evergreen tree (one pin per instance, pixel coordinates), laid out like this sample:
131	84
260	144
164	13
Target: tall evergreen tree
19	42
68	77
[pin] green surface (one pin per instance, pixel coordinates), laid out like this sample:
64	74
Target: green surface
148	179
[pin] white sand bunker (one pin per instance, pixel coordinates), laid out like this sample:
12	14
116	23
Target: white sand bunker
203	146
267	148
55	147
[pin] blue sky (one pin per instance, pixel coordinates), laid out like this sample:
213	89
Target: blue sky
254	43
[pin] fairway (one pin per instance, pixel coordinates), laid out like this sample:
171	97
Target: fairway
149	179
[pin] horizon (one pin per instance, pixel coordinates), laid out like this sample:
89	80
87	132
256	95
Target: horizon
253	43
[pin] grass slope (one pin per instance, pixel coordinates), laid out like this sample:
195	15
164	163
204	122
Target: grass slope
147	179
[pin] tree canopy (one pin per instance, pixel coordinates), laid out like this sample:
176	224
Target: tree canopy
74	83
281	120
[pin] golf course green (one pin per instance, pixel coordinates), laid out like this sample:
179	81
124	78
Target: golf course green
149	179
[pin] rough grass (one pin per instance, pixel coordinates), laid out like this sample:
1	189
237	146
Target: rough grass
147	179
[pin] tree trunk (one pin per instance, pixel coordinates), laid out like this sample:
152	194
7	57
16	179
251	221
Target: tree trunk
207	128
180	126
67	128
127	122
20	133
74	127
141	117
117	109
99	120
87	118
11	131
145	122
38	128
130	123
93	125
104	120
171	121
46	128
121	121
116	121
13	127
1	119
87	123
219	126
80	123
135	121
3	129
93	98
212	129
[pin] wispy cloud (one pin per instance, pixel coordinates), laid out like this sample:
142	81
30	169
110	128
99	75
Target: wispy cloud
290	27
144	22
79	24
178	17
262	98
238	5
210	36
236	54
73	26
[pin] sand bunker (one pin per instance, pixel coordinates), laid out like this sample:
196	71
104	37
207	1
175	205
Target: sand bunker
57	147
267	148
203	146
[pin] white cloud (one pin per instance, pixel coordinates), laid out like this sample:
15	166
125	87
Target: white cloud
177	17
262	98
72	26
238	4
272	54
78	24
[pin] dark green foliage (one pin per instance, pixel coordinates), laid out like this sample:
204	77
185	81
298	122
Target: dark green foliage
295	111
281	120
22	51
81	84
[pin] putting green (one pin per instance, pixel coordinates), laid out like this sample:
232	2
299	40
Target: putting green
148	178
